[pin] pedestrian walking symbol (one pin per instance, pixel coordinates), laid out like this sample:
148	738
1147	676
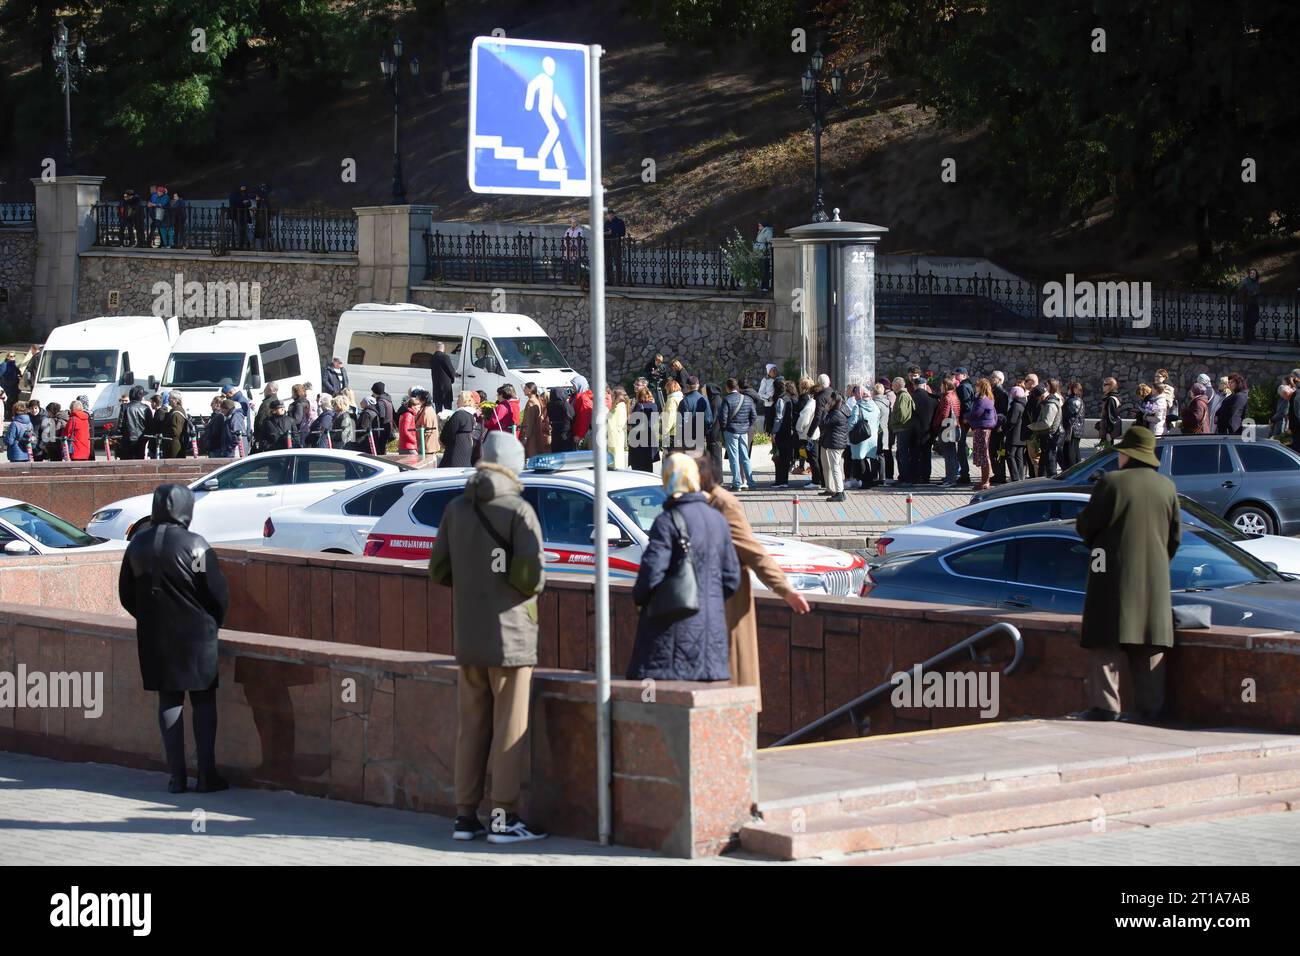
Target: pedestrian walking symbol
529	117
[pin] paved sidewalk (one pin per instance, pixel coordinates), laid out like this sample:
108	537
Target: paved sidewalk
55	813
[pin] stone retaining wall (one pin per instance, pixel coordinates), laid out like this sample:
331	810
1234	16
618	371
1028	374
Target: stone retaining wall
17	272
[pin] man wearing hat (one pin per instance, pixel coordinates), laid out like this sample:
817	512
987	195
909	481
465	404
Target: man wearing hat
1131	526
966	398
489	552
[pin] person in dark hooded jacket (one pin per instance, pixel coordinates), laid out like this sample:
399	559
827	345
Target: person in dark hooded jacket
171	583
696	647
276	430
457	436
560	412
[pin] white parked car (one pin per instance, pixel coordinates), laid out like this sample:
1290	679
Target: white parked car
232	503
411	507
995	514
27	529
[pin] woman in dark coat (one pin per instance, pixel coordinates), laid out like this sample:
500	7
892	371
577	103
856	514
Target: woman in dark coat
457	435
1232	413
171	583
560	413
642	446
696	647
1015	435
713	447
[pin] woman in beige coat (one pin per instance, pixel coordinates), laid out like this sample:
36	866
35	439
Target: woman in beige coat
742	621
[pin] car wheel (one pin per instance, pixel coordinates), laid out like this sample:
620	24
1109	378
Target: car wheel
1251	519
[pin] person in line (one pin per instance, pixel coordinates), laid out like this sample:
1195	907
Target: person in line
1015	434
922	435
767	394
832	439
737	419
10	376
583	401
494	634
343	429
946	428
695	417
276	430
408	426
864	430
271	391
559	412
215	429
616	426
1195	419
135	425
1132	523
50	428
900	429
1073	414
368	429
742	621
681	643
1109	426
457	436
643	441
668	418
884	398
171	583
177	428
982	419
19	438
1277	422
386	415
997	437
1048	428
965	390
504	414
235	439
1034	396
1233	412
77	431
784	440
714	441
535	431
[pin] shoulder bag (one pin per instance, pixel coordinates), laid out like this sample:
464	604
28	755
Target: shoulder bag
677	596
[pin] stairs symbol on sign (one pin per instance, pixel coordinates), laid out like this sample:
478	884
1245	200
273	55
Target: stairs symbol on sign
516	155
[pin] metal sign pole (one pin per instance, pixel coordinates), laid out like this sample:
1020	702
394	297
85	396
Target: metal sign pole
596	258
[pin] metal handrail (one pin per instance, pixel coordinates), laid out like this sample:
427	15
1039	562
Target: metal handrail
871	696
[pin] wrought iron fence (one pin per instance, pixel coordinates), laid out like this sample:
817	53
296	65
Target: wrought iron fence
991	303
220	229
528	258
17	213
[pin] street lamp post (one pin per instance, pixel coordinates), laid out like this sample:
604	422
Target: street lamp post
391	66
69	63
818	102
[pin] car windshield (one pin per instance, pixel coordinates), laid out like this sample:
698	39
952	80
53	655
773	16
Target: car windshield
642	505
44	527
1211	520
530	351
78	367
1106	459
1206	561
203	369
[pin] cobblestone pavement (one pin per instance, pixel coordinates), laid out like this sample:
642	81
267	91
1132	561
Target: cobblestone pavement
54	813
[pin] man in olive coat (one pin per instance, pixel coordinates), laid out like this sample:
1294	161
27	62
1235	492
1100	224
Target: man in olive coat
489	552
1132	527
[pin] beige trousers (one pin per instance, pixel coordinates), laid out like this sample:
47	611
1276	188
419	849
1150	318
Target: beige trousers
493	704
1146	666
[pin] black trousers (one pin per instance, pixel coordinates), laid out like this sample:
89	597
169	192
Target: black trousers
784	457
1016	460
922	454
963	459
171	721
999	463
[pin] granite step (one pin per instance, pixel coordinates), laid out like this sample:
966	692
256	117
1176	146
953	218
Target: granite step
1136	797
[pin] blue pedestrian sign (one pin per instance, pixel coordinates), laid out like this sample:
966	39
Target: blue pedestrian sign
529	117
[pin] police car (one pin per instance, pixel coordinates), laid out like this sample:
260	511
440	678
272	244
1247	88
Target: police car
560	489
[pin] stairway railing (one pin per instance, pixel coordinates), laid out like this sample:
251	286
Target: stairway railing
876	693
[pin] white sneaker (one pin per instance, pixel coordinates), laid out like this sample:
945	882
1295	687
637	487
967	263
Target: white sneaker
744	487
513	830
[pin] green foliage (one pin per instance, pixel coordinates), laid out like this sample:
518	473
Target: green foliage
718	23
790	370
1261	405
745	262
1160	121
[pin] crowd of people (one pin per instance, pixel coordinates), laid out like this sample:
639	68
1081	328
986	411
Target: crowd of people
162	217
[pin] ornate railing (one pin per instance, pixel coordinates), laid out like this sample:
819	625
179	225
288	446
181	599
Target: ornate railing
991	303
528	258
17	213
220	229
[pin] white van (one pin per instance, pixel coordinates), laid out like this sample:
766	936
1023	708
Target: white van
102	358
394	344
248	353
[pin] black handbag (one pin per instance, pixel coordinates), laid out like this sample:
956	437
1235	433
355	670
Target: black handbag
677	596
